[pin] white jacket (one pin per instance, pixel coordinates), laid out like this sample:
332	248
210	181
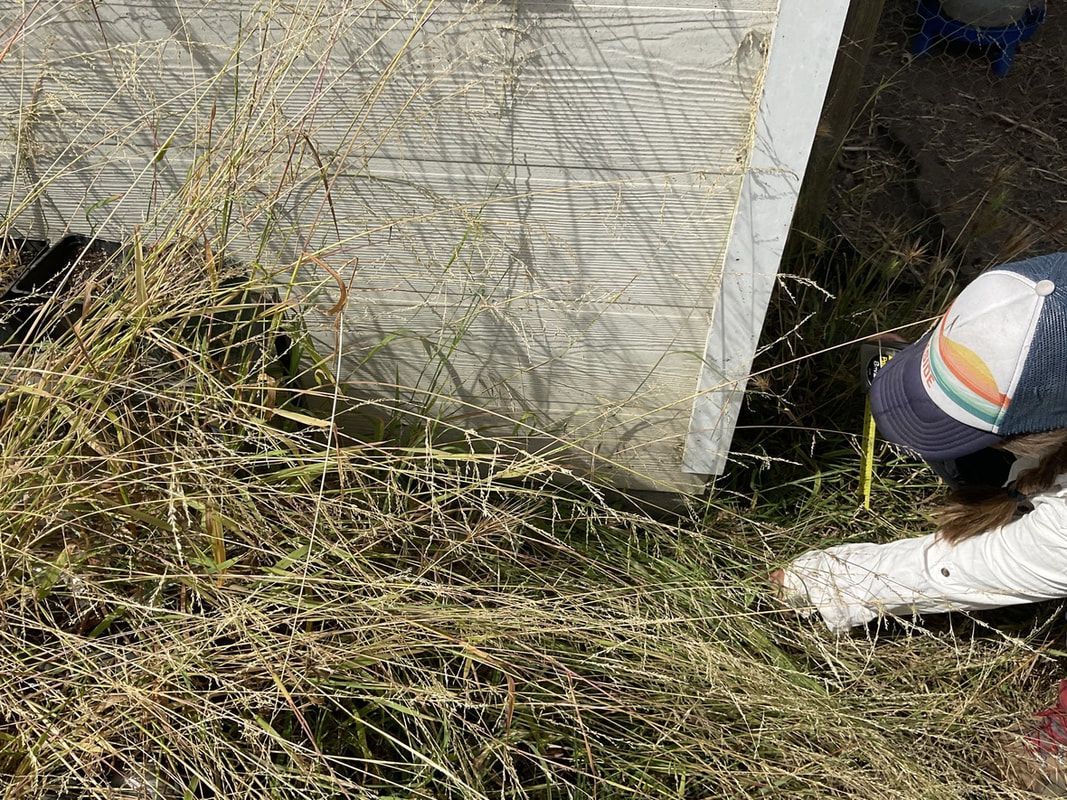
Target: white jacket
1021	562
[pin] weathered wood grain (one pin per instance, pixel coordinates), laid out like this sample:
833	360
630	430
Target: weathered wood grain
537	353
511	85
556	234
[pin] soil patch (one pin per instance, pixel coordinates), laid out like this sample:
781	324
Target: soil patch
947	162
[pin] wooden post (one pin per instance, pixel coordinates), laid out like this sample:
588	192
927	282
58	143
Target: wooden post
838	114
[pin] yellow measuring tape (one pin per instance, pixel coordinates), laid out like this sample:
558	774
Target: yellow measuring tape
867	456
869	431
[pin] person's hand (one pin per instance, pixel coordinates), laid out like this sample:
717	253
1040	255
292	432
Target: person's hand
789	596
777	580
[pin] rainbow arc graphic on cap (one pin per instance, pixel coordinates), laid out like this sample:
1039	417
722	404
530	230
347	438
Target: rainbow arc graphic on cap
965	378
993	363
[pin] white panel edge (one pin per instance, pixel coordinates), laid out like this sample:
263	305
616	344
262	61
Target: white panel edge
802	55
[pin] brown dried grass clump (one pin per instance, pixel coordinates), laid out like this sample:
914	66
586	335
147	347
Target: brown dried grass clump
209	592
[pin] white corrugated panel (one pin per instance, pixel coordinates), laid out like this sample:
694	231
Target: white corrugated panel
531	202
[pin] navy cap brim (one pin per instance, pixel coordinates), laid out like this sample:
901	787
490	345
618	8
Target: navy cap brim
906	416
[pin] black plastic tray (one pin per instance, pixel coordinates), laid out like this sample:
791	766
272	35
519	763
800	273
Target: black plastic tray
49	268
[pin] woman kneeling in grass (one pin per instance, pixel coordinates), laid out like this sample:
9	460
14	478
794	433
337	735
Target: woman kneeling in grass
991	374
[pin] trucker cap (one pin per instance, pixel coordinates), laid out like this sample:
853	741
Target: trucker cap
994	366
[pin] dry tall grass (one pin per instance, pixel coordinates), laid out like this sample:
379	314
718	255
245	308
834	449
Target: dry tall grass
208	589
209	593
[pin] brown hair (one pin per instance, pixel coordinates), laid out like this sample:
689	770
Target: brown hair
971	510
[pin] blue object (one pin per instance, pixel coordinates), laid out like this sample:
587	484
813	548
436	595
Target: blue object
1004	40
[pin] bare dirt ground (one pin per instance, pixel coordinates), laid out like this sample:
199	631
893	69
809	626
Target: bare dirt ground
949	165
